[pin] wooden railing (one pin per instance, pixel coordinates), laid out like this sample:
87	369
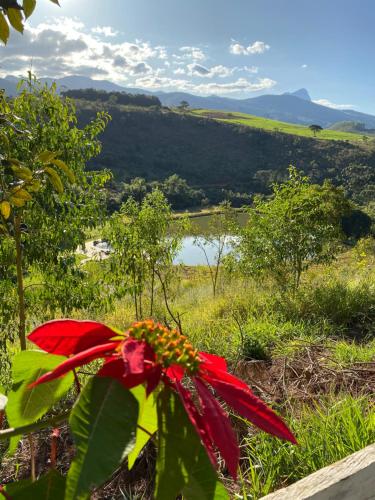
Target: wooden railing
353	478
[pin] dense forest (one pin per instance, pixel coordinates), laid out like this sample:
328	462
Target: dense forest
221	158
112	98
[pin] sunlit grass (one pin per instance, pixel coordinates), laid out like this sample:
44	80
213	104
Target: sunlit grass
274	125
326	432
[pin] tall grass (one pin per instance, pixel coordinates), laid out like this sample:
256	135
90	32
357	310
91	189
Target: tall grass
328	432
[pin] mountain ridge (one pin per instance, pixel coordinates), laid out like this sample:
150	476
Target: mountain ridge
292	107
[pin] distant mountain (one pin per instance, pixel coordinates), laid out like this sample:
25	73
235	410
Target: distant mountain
301	93
295	107
9	84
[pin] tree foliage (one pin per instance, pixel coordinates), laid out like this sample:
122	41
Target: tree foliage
47	200
14	14
144	247
315	129
225	160
218	236
113	98
297	227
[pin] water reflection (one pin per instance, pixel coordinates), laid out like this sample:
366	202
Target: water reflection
191	255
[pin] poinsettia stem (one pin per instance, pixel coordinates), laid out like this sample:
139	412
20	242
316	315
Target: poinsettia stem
53	453
32	457
37	426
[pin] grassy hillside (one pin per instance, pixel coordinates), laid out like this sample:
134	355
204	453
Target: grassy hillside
274	125
217	155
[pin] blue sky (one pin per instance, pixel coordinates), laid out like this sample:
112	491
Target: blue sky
238	48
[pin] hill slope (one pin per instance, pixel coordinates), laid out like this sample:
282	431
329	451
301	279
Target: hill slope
211	154
277	126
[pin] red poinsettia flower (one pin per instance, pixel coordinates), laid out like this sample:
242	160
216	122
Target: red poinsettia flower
149	353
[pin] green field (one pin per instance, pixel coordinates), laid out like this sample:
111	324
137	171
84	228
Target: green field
274	125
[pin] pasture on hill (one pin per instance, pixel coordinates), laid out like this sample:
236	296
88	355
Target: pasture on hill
274	125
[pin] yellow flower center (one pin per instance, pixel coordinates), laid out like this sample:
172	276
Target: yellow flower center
170	346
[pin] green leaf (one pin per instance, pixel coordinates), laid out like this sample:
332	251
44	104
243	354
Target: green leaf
5	209
17	202
48	487
55	179
4	29
182	464
34	186
148	420
15	19
22	172
204	484
28	7
46	157
103	423
21	194
64	167
13	161
26	405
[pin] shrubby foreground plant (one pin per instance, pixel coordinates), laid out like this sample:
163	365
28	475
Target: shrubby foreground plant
47	201
153	383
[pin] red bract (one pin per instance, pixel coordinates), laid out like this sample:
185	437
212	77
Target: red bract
149	353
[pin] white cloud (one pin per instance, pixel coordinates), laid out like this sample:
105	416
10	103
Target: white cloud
190	53
219	71
199	70
304	66
65	47
255	48
329	104
106	31
240	85
179	71
249	69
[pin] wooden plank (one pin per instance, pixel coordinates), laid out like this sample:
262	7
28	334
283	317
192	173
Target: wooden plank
353	478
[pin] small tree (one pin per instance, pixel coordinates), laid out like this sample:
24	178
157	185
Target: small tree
46	197
315	129
183	106
222	227
298	227
144	248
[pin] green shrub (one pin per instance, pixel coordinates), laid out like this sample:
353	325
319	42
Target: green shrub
350	308
254	348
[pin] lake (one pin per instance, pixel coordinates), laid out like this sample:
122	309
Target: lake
191	255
